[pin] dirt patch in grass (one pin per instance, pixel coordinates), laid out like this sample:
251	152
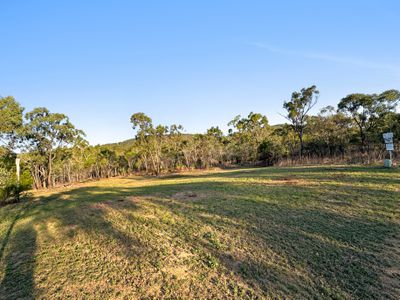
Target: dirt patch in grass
176	271
288	181
190	196
134	199
291	181
118	203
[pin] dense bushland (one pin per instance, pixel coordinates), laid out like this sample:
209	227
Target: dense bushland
54	152
10	187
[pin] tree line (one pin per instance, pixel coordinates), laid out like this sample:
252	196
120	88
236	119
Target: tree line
54	152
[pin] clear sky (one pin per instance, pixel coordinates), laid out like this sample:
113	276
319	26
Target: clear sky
195	63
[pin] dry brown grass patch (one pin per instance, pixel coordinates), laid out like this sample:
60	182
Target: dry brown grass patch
190	195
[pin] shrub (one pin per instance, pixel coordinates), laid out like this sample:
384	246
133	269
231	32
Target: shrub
10	189
269	152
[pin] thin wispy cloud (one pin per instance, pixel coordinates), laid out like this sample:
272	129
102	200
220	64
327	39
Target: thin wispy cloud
329	58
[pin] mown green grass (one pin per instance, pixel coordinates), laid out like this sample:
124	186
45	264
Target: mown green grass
306	232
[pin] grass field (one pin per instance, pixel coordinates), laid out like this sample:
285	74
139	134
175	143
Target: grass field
306	232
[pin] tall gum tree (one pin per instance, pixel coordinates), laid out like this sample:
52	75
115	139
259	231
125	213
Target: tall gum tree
297	110
150	139
47	131
247	134
11	122
366	110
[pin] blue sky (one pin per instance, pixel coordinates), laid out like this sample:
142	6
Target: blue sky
195	63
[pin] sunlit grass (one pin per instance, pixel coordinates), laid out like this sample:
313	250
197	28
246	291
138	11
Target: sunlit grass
324	232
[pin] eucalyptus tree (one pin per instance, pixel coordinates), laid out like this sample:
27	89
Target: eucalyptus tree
11	122
298	109
150	140
205	149
246	136
46	132
367	110
271	151
328	133
287	138
216	133
107	160
174	142
11	127
133	157
216	145
190	150
390	123
143	124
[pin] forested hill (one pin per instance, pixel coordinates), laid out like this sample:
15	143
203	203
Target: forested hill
129	143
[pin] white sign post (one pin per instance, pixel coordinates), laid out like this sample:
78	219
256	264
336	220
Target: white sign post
17	160
388	137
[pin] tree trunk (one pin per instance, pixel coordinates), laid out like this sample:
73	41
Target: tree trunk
49	170
363	142
301	144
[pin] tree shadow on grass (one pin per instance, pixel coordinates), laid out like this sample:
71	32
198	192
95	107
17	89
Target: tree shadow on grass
84	213
86	209
339	173
340	254
332	254
18	280
291	250
6	237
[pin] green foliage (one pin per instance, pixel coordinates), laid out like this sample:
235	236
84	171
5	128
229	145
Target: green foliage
368	110
141	122
11	121
210	261
270	151
253	123
10	188
328	133
298	108
26	180
216	133
246	136
46	132
158	146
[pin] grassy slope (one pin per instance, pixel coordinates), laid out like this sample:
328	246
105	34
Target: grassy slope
254	233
